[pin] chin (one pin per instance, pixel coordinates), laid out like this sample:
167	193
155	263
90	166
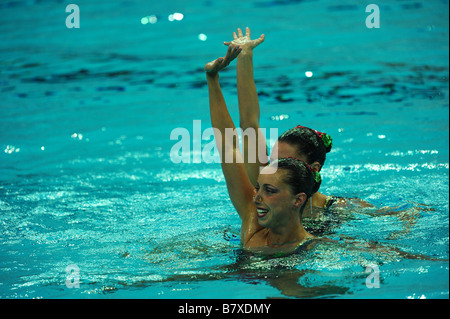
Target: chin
264	222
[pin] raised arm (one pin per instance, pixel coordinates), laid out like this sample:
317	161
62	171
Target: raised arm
239	186
249	111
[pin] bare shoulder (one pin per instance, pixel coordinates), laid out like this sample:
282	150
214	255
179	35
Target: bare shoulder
253	235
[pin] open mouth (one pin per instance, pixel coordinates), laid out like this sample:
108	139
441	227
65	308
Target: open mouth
261	212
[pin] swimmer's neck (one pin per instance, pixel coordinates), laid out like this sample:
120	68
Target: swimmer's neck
287	238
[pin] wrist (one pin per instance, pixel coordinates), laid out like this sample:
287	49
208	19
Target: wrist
212	75
246	53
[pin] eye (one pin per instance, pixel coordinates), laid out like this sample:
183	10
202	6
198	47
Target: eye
271	190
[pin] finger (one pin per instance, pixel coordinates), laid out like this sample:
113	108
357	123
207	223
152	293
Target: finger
226	43
235	52
247	32
240	33
230	49
261	39
232	55
238	51
235	36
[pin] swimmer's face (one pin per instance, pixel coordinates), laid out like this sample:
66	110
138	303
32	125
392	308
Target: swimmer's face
284	149
274	200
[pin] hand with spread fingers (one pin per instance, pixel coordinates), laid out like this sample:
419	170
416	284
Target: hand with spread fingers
245	42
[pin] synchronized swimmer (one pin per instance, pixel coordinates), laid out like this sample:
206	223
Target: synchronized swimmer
271	203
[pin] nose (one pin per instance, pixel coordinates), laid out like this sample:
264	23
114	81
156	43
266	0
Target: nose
257	198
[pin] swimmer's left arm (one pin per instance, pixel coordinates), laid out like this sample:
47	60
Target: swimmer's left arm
249	111
352	243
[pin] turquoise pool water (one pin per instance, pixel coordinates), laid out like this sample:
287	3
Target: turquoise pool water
93	207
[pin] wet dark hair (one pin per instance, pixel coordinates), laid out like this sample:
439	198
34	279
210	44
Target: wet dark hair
310	143
299	177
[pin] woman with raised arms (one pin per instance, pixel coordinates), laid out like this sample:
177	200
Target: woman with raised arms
270	210
300	142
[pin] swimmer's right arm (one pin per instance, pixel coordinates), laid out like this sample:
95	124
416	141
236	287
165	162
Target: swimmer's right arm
240	189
